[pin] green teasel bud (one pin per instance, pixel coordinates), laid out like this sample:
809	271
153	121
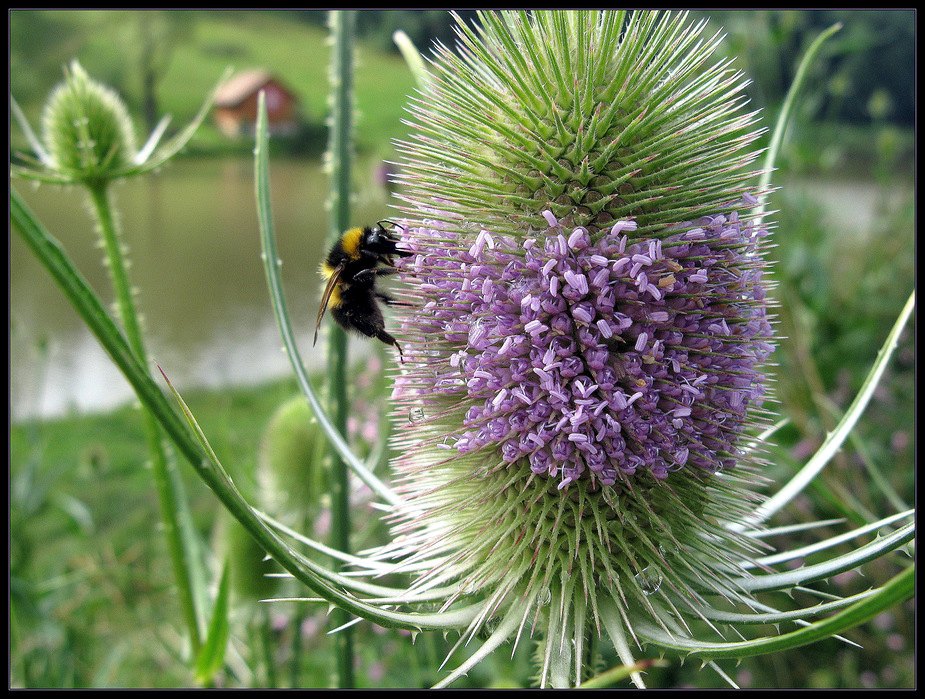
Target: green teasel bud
291	469
87	131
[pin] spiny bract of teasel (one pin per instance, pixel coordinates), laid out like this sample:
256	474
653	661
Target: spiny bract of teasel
583	358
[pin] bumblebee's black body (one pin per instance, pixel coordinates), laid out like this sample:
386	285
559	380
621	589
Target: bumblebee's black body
351	269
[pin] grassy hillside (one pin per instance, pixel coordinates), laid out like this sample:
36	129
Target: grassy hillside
195	50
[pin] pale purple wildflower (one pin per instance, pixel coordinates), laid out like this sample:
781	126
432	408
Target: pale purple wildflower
593	360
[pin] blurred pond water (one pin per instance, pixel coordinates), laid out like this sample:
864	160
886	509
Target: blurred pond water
193	241
192	238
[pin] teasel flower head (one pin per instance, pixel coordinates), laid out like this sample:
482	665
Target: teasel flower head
88	136
583	356
86	127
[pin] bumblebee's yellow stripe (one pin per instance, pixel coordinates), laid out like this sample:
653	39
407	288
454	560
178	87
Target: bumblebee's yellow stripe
351	241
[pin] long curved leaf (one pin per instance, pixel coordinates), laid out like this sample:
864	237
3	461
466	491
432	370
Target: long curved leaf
836	437
278	299
897	590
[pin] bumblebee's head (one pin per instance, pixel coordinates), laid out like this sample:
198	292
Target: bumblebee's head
381	241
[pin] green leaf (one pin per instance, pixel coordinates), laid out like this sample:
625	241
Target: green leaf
780	127
278	299
836	438
413	59
211	657
897	590
826	569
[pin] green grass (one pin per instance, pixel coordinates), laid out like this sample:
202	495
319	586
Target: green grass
92	603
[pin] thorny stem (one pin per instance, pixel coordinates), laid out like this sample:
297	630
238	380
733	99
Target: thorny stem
167	482
342	23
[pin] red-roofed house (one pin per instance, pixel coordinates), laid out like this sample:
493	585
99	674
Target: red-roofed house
236	104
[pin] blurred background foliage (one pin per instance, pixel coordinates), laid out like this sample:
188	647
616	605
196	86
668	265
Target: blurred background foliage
91	599
865	78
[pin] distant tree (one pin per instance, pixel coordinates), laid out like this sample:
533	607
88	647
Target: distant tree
424	27
866	72
157	33
41	42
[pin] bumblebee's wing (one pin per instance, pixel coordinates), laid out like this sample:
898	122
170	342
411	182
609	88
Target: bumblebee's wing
326	296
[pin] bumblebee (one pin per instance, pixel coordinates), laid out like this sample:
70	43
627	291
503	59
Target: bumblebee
351	269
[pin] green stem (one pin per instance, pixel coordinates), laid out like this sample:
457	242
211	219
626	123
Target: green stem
342	24
115	258
167	481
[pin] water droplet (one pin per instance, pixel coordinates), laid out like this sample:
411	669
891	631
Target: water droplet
415	415
649	580
668	550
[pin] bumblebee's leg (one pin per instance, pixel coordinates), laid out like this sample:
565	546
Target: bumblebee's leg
368	276
389	340
372	326
389	301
